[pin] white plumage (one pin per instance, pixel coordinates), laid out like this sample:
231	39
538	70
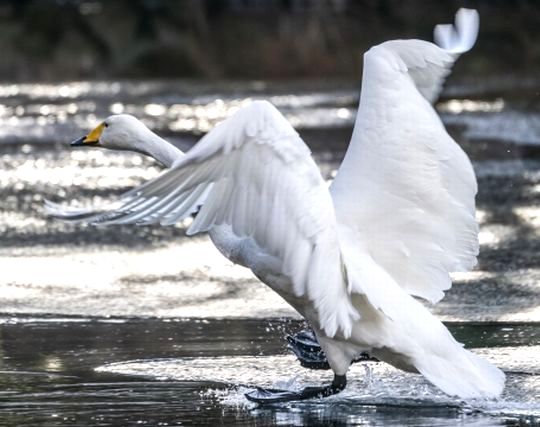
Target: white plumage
399	216
405	189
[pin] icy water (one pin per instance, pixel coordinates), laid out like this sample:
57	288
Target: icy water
143	326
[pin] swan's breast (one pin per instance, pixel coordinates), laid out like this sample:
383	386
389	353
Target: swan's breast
245	251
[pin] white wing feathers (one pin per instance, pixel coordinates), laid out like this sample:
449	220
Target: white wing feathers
258	177
405	191
461	36
427	64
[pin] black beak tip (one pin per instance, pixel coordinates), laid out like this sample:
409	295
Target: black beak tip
78	142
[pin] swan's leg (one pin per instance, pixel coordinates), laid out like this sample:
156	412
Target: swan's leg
339	354
307	349
270	395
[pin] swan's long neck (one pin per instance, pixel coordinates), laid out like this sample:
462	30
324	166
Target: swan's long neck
159	149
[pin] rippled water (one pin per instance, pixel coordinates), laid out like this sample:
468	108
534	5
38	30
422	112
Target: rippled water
189	330
108	372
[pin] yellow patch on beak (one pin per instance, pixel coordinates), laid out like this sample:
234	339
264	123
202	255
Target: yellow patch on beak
94	135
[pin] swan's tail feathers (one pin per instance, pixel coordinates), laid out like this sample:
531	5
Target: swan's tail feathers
461	36
399	330
458	372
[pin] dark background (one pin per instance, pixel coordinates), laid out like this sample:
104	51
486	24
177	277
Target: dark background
52	40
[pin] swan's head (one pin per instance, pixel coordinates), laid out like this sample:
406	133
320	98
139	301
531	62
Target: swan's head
117	132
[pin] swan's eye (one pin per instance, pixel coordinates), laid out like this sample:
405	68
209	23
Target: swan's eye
106	124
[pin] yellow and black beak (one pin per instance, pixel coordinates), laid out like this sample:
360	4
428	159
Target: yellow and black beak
91	139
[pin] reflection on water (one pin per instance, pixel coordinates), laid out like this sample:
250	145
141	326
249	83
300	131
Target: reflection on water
458	106
108	372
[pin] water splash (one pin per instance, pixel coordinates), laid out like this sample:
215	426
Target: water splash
376	384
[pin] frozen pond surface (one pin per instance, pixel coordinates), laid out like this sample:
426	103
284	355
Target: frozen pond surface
143	326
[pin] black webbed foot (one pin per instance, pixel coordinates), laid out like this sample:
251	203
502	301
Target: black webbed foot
307	349
269	395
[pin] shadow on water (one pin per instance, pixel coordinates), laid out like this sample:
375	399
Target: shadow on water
48	375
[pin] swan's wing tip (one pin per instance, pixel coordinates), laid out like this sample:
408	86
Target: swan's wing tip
68	213
461	36
55	209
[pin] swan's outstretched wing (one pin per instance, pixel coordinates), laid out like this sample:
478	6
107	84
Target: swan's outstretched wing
429	68
262	181
405	191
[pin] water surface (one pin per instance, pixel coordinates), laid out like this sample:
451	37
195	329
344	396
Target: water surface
111	372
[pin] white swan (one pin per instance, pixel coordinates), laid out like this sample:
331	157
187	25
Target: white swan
398	218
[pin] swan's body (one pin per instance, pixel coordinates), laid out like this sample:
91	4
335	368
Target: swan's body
398	218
